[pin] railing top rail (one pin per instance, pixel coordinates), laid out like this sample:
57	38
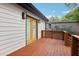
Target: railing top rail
52	31
76	36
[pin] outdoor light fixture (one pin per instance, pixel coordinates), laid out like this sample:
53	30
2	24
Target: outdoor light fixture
23	15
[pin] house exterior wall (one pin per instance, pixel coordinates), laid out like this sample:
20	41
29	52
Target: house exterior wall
74	26
12	28
41	26
14	31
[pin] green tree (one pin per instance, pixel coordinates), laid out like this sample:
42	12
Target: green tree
72	15
71	5
54	19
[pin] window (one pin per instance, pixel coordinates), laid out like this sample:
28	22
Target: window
49	25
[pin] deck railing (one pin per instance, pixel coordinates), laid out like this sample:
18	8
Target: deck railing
52	34
69	39
75	45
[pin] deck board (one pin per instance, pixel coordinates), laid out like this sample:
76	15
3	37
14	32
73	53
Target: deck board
44	47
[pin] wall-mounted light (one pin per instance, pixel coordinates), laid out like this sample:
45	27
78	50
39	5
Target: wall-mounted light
24	15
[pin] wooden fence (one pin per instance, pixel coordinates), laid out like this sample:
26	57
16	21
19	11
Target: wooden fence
69	39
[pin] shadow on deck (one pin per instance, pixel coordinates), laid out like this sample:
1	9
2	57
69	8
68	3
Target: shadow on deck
44	47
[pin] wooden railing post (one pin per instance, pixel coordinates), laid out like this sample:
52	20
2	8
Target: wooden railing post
74	47
67	39
42	34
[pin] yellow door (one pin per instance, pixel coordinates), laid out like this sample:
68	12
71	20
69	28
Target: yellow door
31	30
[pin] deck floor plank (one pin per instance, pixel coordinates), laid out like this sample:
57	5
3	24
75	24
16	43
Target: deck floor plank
44	47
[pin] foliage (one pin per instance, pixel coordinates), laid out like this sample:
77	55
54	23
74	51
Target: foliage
70	5
54	18
72	15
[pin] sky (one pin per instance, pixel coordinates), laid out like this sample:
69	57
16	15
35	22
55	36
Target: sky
52	9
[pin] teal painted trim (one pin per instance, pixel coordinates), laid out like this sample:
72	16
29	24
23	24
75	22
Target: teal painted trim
26	30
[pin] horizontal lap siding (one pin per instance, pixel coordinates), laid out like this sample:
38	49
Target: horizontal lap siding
12	28
41	26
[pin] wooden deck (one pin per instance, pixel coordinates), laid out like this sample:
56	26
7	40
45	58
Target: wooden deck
44	47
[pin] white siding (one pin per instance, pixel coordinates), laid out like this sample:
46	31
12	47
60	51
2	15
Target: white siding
41	26
12	28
